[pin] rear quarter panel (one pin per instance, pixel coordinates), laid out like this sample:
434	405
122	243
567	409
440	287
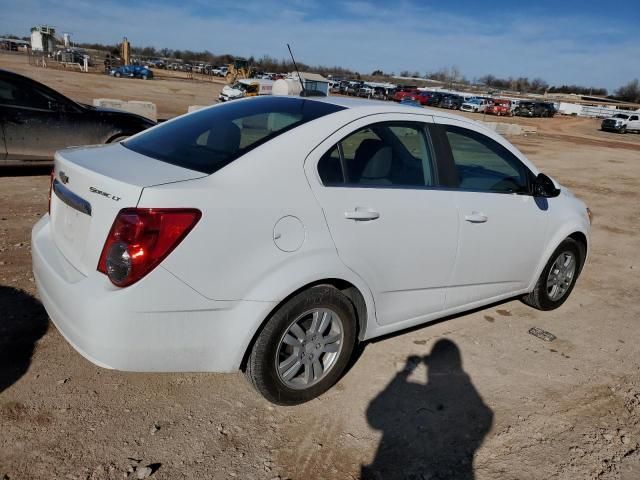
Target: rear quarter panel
231	254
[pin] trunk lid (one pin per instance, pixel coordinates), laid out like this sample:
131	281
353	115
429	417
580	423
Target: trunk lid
91	185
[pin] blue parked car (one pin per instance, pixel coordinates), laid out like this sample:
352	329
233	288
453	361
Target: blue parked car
412	102
132	71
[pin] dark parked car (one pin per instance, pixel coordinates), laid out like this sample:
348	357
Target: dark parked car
452	102
35	121
132	71
550	109
436	99
535	109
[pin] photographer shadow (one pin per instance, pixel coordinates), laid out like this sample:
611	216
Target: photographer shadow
429	431
23	321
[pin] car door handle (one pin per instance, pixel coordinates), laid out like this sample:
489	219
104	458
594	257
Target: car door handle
476	217
361	214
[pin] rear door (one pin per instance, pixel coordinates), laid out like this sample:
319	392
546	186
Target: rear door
377	183
634	123
502	227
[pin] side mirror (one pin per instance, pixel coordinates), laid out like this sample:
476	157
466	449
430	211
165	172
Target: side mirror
544	187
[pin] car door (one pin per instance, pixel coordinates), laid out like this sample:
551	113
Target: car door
634	123
502	227
378	185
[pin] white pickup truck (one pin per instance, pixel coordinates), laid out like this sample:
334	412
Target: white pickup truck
475	105
220	71
622	123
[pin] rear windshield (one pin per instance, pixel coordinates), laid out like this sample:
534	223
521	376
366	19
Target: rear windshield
210	139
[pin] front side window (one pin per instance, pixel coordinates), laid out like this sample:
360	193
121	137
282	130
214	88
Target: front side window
383	155
485	165
210	139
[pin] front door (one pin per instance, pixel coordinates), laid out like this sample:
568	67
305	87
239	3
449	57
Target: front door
377	184
502	227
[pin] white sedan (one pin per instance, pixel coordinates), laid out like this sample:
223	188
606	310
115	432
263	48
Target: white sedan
272	234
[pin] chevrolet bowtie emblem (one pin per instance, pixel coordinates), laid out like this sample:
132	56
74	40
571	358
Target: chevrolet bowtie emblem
63	178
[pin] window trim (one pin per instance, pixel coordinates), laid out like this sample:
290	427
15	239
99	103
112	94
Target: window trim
422	127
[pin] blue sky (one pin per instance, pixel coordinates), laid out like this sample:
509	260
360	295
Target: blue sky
591	43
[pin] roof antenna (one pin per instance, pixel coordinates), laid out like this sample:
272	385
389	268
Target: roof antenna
302	92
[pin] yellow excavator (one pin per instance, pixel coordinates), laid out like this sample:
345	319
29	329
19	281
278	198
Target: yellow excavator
239	70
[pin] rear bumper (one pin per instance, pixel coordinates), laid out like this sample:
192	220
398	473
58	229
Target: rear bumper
159	324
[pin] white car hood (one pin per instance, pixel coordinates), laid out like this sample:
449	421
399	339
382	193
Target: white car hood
231	92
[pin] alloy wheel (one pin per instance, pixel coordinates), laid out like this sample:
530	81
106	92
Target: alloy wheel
309	348
561	275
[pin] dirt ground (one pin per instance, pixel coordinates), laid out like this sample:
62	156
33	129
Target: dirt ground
516	407
172	92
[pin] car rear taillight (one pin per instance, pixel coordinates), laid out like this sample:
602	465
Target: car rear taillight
140	238
53	177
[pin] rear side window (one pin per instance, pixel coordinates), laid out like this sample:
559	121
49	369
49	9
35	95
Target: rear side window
210	139
485	165
382	155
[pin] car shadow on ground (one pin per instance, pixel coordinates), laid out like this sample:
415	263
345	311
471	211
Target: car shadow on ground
432	430
23	321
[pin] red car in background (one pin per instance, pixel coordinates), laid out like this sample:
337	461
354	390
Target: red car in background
499	107
406	92
423	97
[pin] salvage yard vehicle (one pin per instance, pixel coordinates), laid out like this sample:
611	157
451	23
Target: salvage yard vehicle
35	121
534	109
250	87
274	234
402	92
132	71
499	107
220	71
423	97
621	123
475	105
365	91
410	101
452	102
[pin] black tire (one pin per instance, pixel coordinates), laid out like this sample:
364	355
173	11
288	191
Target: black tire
117	74
623	130
539	297
260	367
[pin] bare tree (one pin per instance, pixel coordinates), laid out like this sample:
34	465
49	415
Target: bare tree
629	92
